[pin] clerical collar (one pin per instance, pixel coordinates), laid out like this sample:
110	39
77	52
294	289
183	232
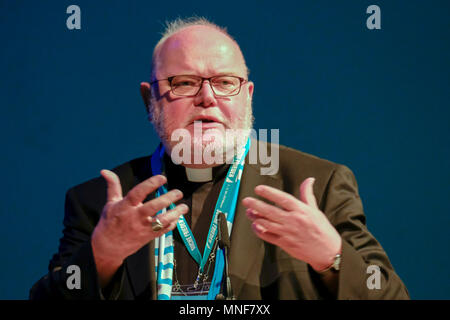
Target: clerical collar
175	172
199	175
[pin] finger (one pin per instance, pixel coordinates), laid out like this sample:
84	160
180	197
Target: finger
140	192
282	199
151	207
265	235
252	214
114	189
264	210
307	192
269	226
170	217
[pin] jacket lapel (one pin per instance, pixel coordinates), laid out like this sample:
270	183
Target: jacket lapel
246	247
141	274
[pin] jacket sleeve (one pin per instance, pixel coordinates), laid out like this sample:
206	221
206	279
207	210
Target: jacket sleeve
64	281
363	259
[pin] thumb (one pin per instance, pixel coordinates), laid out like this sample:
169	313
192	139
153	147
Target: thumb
307	193
114	192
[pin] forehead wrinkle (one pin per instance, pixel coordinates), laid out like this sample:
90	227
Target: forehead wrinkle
201	47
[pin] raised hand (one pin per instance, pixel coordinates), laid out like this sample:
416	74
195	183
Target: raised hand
296	226
126	223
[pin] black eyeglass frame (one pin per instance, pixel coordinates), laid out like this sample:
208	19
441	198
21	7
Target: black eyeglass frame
241	82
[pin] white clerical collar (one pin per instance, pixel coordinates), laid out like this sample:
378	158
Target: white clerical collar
199	175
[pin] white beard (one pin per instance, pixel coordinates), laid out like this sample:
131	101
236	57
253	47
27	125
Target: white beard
211	141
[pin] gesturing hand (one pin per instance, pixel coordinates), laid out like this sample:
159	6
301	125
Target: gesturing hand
296	226
125	224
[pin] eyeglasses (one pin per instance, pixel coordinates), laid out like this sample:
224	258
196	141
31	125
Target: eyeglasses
190	85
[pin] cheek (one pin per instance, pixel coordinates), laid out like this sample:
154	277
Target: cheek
237	113
176	115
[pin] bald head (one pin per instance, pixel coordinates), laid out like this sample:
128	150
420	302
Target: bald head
206	45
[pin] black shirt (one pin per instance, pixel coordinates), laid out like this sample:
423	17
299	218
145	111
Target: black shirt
201	198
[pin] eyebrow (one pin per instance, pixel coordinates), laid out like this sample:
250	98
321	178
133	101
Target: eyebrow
215	75
227	74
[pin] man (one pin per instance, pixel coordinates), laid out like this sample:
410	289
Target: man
298	233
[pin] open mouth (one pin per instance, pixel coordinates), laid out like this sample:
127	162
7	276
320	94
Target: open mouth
206	119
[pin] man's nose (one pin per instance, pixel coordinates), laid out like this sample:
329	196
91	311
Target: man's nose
205	97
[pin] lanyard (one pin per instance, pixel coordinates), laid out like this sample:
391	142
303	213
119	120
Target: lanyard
226	203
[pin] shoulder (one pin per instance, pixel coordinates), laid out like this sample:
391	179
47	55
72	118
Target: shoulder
292	167
296	159
281	161
130	173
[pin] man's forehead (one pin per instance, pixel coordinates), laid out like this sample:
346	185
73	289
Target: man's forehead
201	36
200	47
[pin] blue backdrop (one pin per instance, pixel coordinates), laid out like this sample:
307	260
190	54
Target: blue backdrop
375	100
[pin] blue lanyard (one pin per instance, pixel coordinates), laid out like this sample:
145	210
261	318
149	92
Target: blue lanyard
226	203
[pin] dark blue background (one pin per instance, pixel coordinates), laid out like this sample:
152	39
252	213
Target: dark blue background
375	100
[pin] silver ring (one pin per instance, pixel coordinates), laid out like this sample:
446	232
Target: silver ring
157	225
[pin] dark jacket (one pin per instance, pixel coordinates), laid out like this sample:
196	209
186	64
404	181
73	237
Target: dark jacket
258	270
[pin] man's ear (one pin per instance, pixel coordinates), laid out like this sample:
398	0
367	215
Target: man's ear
146	94
251	88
